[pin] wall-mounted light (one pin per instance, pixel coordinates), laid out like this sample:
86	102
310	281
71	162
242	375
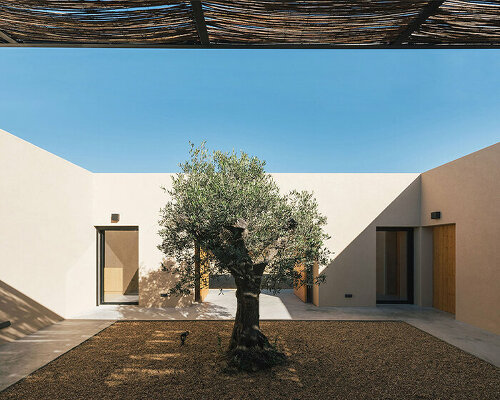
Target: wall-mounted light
115	218
436	215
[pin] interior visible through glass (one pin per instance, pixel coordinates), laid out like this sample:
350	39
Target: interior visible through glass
392	266
121	267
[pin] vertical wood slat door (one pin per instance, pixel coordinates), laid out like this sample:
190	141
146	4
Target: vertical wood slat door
444	268
202	270
301	291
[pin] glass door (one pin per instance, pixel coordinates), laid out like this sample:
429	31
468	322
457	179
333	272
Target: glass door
118	265
394	265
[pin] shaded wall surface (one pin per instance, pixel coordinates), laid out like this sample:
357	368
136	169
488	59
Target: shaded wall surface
25	314
467	192
355	204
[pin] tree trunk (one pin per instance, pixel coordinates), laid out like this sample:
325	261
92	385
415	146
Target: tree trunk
246	331
250	349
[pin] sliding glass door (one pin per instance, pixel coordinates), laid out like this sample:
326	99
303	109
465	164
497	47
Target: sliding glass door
118	265
394	265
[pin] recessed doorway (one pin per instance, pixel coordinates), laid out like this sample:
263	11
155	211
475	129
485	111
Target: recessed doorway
118	265
394	265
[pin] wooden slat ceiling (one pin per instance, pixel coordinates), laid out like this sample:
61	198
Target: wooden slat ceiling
242	23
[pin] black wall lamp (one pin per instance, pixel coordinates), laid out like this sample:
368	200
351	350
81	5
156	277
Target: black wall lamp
436	215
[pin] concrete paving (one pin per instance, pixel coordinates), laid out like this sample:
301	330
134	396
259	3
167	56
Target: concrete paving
285	305
19	358
23	356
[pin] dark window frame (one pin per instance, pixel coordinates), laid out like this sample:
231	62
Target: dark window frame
100	241
410	263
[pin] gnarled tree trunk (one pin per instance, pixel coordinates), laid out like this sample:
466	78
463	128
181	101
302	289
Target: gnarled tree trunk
250	349
246	331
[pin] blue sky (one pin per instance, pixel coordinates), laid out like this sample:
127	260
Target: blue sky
123	110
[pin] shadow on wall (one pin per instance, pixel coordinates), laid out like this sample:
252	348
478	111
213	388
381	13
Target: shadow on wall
353	270
153	283
25	315
133	286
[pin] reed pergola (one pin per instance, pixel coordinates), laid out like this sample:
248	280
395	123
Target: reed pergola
251	24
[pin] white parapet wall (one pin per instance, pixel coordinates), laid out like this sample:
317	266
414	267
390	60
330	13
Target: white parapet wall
467	193
47	242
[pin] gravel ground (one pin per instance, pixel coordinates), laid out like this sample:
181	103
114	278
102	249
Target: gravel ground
328	360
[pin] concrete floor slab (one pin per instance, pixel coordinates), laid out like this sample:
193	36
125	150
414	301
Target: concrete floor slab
23	356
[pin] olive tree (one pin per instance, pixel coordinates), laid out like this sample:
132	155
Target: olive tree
227	204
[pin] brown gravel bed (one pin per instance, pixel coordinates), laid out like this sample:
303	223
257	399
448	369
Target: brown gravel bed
328	360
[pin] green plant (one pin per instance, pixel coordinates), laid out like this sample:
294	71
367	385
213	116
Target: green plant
232	209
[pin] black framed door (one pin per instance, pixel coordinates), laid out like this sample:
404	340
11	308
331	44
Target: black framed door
117	265
395	262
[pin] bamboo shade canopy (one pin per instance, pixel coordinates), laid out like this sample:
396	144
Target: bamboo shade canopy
247	23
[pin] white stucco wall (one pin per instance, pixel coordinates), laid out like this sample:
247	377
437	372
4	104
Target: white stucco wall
467	192
47	242
52	207
353	203
49	209
138	199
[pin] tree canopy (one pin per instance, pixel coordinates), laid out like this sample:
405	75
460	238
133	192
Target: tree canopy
215	195
226	204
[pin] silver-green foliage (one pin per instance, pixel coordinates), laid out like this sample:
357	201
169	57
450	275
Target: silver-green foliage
233	209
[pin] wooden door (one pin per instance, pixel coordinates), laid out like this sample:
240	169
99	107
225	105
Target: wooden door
444	268
301	291
202	271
